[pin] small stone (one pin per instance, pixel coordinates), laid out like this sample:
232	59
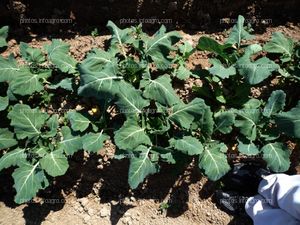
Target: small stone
132	199
104	212
83	201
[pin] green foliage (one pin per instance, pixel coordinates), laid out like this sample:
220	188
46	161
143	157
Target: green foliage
127	93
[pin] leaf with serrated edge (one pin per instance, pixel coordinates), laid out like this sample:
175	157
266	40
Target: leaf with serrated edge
93	142
131	135
275	103
70	143
248	148
277	156
214	162
27	122
6	138
140	167
188	145
78	121
28	181
55	163
12	158
160	90
130	100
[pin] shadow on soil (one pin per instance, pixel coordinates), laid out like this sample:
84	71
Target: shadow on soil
171	186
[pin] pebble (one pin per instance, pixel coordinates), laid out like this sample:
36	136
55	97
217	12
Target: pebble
104	212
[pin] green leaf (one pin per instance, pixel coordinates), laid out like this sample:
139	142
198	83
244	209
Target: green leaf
52	124
184	114
247	148
186	49
3	36
119	37
8	69
289	122
70	143
158	47
66	84
55	163
58	53
27	122
3	102
209	44
247	120
277	156
214	161
219	70
140	167
26	83
224	122
99	84
12	158
97	59
28	181
160	90
187	145
281	45
238	33
257	71
78	121
6	138
130	100
131	135
182	72
33	55
275	103
93	142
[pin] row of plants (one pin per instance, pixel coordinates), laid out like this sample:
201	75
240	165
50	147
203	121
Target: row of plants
128	96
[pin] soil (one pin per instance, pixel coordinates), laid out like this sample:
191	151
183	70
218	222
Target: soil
95	189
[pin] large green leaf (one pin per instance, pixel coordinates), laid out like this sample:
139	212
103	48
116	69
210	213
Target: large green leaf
78	121
187	145
70	143
28	181
208	44
27	122
99	84
140	167
55	163
6	138
131	135
3	102
247	120
119	37
160	90
247	148
238	33
184	114
275	103
12	158
3	36
32	55
214	161
257	71
26	82
8	69
130	100
97	59
220	70
159	46
277	156
289	122
93	142
58	53
281	45
224	122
